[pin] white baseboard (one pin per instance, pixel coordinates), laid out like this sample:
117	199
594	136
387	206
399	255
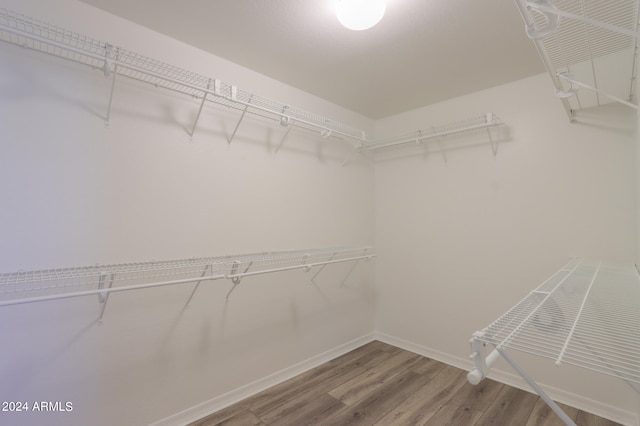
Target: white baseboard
218	403
588	405
211	406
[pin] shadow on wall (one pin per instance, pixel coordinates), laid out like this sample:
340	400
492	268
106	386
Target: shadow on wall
149	338
612	117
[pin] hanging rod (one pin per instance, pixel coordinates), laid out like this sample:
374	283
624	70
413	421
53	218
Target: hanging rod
43	37
62	283
484	121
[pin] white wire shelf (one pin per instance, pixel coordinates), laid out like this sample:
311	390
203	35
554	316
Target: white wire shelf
586	44
480	122
46	38
51	284
587	314
114	61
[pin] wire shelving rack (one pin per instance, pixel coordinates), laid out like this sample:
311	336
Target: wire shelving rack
480	122
585	315
101	280
115	61
586	44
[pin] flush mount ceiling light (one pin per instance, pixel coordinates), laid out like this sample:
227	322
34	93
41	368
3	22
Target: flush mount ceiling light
360	15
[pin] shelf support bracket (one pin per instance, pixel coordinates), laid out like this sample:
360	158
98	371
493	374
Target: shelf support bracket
441	146
204	98
103	298
443	151
288	123
235	279
306	267
198	283
110	68
550	14
244	111
322	267
356	147
346	277
494	146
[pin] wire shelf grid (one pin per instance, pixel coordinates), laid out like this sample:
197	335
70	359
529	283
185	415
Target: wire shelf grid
37	35
23	286
484	121
594	46
575	42
585	315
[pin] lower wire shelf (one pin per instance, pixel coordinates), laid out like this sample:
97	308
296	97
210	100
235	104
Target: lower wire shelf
101	280
587	314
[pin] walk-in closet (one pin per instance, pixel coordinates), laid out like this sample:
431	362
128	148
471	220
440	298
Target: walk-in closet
261	212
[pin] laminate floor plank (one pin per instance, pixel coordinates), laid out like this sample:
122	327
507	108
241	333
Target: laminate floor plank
245	418
371	409
325	378
512	406
428	367
586	419
420	406
222	415
454	414
302	411
362	385
279	394
380	384
478	397
543	415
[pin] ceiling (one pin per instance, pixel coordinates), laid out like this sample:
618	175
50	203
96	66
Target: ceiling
422	52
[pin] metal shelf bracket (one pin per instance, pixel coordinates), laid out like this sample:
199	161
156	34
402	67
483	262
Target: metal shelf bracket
204	99
551	16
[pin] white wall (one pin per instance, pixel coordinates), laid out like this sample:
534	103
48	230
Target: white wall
637	137
637	185
462	240
75	192
459	241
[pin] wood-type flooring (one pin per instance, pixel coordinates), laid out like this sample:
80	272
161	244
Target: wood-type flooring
379	384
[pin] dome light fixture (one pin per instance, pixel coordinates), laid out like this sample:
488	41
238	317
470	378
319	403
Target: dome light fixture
360	15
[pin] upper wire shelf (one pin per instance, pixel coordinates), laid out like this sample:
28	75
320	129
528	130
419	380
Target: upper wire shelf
587	314
51	284
586	44
114	61
484	121
37	35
